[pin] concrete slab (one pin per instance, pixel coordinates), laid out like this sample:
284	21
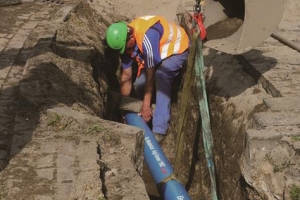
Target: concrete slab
283	103
284	118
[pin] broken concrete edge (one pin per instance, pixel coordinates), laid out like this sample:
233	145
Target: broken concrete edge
275	132
270	119
53	24
125	131
258	76
116	160
87	151
132	104
268	153
59	17
283	104
62	14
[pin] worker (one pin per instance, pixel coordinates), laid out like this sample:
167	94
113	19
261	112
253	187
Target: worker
159	47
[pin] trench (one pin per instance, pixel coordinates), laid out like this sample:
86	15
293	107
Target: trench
234	94
229	122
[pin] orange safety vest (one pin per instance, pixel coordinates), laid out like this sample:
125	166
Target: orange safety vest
173	41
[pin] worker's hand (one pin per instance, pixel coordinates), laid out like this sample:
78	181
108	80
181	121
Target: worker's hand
146	113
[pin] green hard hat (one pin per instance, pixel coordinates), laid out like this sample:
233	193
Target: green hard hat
116	35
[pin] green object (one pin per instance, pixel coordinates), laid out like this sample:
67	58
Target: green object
116	35
205	117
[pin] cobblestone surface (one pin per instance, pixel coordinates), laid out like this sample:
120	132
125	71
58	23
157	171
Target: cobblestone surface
15	29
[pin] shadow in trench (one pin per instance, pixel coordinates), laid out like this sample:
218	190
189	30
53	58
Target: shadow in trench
228	76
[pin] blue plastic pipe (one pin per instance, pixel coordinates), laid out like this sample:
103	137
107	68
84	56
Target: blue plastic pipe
158	164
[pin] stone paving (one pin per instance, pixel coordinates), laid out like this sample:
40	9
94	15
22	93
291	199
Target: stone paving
14	32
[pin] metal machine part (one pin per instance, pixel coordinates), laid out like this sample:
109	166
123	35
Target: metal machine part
237	26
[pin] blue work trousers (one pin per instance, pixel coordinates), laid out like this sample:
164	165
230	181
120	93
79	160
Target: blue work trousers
164	76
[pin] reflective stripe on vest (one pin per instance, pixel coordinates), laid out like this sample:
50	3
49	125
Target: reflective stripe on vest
173	41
